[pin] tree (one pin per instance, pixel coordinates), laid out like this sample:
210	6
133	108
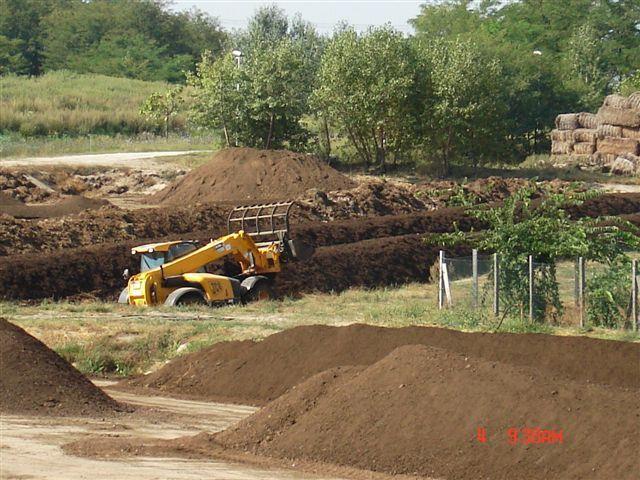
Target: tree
463	116
128	37
163	107
584	66
12	59
21	24
260	100
364	86
217	100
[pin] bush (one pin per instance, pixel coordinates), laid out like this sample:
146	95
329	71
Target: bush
608	295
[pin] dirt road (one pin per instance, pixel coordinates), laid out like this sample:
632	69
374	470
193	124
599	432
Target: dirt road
30	447
139	160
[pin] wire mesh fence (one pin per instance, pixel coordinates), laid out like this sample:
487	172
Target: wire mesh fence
576	293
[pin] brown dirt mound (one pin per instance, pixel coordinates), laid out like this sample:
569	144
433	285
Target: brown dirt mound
369	263
65	206
107	225
417	411
36	380
250	175
257	372
20	186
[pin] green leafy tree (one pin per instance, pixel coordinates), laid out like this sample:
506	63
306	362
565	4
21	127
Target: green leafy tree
22	26
162	107
217	99
128	37
630	84
463	117
12	59
260	100
365	84
584	71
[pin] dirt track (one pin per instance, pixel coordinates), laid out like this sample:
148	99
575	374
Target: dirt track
137	159
30	446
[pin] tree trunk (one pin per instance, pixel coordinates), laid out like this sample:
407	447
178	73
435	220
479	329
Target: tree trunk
166	126
361	152
383	153
226	135
446	152
327	137
271	121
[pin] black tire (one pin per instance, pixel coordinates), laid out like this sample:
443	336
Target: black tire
191	299
258	289
186	296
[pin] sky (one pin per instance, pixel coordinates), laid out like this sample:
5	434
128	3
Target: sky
324	14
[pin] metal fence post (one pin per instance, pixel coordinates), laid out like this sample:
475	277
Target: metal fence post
635	319
531	288
441	280
581	282
576	282
496	285
474	266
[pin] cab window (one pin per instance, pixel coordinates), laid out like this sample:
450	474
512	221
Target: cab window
179	250
149	261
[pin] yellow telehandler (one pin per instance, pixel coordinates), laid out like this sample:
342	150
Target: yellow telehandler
173	273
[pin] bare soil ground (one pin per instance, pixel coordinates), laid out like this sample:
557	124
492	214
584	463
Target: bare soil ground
31	447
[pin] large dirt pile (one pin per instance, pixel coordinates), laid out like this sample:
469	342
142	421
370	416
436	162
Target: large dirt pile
417	411
257	372
250	175
34	379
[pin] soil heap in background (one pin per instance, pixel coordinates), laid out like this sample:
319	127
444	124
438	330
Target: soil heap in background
61	208
22	187
249	175
418	411
36	380
256	372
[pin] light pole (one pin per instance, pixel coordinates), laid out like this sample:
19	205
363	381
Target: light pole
237	54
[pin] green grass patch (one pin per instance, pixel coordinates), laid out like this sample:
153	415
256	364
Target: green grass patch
64	102
103	338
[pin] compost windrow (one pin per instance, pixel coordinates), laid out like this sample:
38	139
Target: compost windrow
36	380
257	372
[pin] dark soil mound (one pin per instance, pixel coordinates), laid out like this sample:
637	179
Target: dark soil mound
34	379
108	225
7	200
90	270
417	411
250	175
65	206
257	372
369	263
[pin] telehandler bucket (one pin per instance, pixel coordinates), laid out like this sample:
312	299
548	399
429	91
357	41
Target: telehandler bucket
268	222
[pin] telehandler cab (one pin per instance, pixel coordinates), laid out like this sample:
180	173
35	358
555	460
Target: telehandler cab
173	273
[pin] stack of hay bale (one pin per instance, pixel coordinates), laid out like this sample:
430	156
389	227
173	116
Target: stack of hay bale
609	140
